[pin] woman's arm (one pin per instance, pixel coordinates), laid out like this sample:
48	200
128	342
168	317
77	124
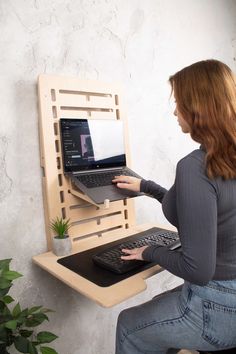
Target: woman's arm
153	189
138	185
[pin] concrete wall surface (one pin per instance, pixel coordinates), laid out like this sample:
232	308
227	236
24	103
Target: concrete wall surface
138	43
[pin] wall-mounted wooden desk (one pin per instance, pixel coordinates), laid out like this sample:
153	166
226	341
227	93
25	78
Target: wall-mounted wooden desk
104	296
92	225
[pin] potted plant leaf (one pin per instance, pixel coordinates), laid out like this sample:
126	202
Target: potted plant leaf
61	242
17	326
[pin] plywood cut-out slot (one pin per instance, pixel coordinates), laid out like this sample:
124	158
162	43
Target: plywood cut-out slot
96	218
58	163
62	199
59	179
57	146
55	125
98	234
54	111
87	109
117	114
63	213
85	93
53	95
43	171
80	206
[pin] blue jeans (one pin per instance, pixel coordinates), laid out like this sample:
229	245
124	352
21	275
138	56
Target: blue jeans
196	317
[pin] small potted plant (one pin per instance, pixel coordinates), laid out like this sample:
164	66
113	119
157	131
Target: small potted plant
61	243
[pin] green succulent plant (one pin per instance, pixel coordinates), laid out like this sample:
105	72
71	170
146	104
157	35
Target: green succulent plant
17	326
60	226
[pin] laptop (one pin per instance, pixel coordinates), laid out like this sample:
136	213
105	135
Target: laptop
93	153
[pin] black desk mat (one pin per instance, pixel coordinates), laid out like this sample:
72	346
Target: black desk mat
82	264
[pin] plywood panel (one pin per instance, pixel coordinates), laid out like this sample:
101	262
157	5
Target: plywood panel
73	98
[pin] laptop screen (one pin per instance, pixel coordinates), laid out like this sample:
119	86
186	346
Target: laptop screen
90	144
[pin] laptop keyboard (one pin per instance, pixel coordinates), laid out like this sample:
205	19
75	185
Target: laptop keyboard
110	258
101	179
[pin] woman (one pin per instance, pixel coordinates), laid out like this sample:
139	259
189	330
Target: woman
202	205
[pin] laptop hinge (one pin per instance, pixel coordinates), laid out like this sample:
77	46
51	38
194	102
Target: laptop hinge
98	170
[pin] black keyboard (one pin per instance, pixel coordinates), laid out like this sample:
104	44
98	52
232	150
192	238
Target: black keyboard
100	179
110	257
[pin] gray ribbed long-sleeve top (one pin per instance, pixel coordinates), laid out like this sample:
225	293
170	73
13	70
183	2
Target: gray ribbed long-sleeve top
204	213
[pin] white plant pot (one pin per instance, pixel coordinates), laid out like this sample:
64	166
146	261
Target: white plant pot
61	246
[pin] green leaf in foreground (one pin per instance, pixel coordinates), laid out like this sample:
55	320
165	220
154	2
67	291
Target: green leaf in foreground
46	337
32	349
34	309
7	299
35	319
47	350
25	333
45	310
4	263
11	275
4	283
11	324
17	310
4	291
21	344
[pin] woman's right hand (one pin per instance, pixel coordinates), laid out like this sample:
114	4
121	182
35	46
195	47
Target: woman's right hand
127	182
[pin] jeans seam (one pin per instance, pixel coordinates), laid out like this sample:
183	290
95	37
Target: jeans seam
209	304
222	289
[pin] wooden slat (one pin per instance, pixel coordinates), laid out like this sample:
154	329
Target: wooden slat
92	211
103	115
83	101
87	114
92	225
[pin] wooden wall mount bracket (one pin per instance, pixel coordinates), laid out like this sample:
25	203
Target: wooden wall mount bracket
76	192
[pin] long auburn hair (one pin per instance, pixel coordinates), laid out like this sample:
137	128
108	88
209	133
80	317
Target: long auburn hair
205	94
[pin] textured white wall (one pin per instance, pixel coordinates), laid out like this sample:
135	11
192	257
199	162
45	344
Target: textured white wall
135	42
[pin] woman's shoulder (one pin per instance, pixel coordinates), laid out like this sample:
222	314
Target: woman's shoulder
193	165
195	158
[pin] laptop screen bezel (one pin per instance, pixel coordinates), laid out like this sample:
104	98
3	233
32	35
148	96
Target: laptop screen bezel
93	167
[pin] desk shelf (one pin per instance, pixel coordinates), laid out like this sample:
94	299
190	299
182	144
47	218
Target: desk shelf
104	296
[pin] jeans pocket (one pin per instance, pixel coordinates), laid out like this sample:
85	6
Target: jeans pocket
219	324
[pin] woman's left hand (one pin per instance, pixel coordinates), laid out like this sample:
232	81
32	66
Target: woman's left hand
135	253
